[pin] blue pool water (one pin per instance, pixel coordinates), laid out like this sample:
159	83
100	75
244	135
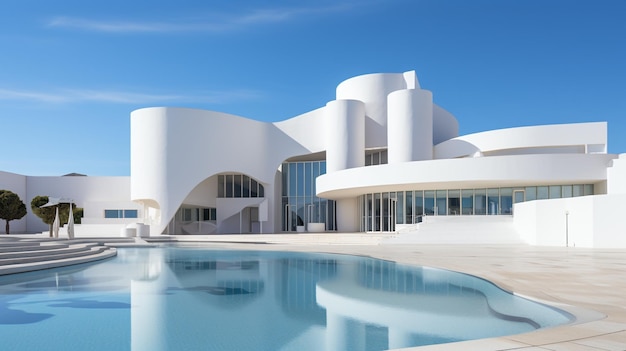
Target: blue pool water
177	298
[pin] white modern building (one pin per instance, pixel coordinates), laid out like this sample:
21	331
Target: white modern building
379	158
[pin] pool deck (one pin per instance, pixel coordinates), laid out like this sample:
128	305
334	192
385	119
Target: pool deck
589	283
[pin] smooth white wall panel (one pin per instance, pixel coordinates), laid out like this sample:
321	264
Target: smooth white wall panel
410	125
345	140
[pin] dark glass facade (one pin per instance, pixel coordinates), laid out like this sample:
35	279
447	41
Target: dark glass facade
382	211
300	206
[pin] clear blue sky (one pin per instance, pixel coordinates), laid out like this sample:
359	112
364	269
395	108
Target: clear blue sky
71	71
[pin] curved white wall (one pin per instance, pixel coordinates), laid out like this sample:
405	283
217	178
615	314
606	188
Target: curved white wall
410	125
557	138
345	135
175	149
372	90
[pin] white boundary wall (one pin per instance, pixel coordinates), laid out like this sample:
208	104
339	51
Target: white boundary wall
588	221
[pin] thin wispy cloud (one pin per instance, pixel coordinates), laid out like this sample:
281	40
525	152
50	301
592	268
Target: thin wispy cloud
124	97
211	23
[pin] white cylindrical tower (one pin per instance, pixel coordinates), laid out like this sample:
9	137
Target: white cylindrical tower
345	135
410	125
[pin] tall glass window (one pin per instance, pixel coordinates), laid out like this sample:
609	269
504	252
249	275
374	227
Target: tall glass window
419	202
400	207
409	207
467	202
480	201
429	202
493	201
506	201
454	202
300	205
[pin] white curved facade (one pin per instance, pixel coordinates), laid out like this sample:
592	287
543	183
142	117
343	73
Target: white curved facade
383	137
379	157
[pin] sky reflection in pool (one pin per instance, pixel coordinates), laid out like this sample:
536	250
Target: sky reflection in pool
180	298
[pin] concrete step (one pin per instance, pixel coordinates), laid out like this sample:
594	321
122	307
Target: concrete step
47	250
83	251
31	247
95	254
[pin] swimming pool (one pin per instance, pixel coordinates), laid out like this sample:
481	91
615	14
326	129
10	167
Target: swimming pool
184	298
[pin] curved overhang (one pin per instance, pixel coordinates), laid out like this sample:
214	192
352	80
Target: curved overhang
575	137
480	172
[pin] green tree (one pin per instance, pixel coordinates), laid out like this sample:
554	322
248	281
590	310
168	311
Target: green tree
47	214
11	207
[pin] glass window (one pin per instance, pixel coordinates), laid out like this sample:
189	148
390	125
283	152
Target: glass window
588	189
375	160
213	214
566	191
237	184
186	214
245	186
506	201
419	203
409	207
254	188
308	179
285	175
130	213
531	193
429	202
578	190
480	201
493	201
467	201
369	212
555	191
385	213
377	212
301	180
454	202
220	185
206	214
229	185
400	207
112	214
261	191
293	179
383	157
442	205
542	193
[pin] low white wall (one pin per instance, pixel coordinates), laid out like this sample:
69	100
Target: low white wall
588	221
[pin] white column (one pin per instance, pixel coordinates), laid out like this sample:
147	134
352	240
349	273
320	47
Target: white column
410	125
347	215
345	135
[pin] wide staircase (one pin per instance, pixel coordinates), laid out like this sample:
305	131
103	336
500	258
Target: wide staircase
498	230
19	255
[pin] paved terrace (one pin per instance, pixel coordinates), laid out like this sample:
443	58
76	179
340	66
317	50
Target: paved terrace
589	283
